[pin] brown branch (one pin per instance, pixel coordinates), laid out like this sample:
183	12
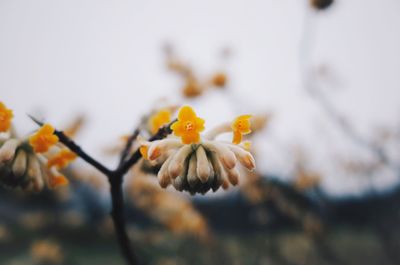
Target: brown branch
311	88
128	146
162	133
68	142
115	178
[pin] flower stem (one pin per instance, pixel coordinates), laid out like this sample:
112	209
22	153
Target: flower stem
117	214
115	178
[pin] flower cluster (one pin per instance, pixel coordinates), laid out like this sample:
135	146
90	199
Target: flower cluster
196	164
33	162
193	84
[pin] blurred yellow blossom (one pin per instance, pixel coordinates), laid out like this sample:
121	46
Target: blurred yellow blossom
159	119
219	79
46	252
43	139
143	151
58	181
6	116
240	127
61	159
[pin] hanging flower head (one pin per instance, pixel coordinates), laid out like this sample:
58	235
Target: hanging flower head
196	164
33	162
6	116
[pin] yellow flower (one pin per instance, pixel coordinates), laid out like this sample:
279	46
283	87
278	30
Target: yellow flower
61	159
188	126
240	127
6	116
143	151
58	181
159	119
43	139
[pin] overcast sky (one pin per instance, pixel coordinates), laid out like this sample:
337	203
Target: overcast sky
105	58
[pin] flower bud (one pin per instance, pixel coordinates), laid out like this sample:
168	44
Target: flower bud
203	167
20	164
7	151
176	166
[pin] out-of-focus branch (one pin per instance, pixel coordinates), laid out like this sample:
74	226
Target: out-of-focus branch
115	178
162	133
128	146
68	142
312	89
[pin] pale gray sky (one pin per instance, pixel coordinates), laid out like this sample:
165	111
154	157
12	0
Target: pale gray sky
105	58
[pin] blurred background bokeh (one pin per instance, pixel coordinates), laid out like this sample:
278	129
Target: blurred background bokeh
320	76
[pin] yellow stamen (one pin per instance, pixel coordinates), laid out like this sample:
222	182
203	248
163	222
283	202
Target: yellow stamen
188	126
6	116
43	139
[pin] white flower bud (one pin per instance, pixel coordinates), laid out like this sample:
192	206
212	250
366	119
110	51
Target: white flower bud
233	176
34	167
203	167
158	147
244	157
219	171
20	163
179	183
192	178
226	156
163	176
176	166
7	151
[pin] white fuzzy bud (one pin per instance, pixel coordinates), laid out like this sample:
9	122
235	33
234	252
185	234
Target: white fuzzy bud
203	167
7	151
224	154
158	147
233	176
35	173
244	157
163	176
176	166
20	163
192	178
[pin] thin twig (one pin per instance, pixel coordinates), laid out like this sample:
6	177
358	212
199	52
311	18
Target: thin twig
306	46
76	149
128	146
115	178
162	133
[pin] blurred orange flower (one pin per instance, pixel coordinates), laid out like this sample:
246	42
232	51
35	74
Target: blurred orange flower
61	159
43	139
159	119
58	181
6	116
240	127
